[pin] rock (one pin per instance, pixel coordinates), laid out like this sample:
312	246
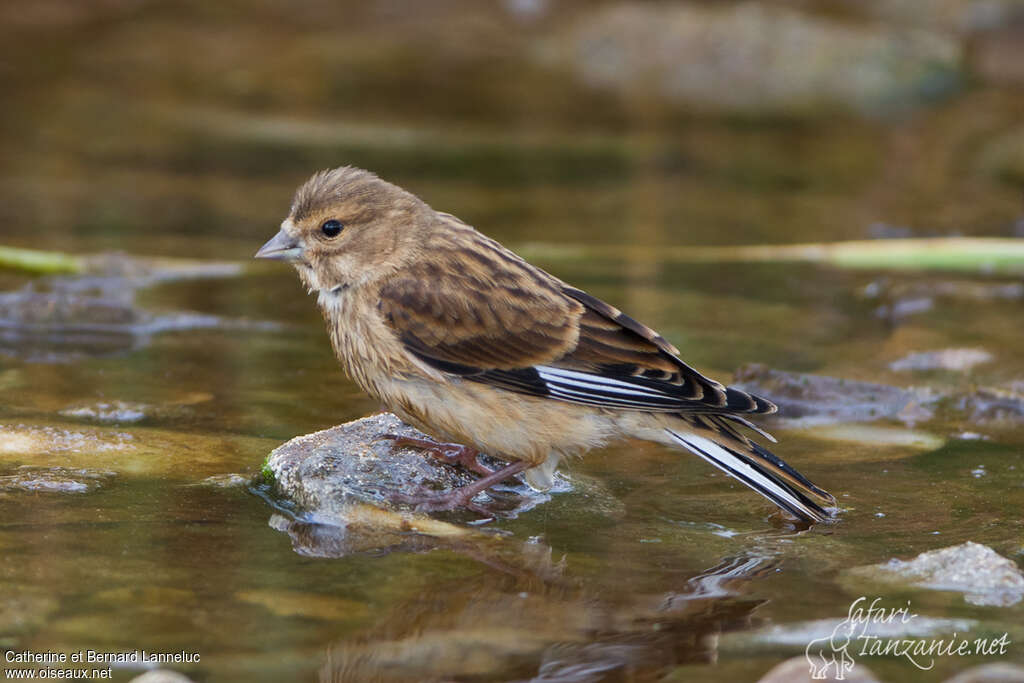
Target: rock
144	450
828	405
834	648
142	271
810	400
161	676
819	401
896	294
904	308
340	483
997	672
26	439
58	326
798	670
326	472
986	405
799	634
115	411
53	479
839	646
773	58
64	318
230	480
980	573
958	360
979	291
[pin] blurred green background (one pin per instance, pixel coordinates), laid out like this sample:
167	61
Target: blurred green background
137	124
182	129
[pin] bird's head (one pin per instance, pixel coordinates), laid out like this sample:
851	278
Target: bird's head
346	227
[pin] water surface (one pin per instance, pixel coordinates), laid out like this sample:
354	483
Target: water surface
654	565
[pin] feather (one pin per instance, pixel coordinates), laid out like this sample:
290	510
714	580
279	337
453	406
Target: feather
759	474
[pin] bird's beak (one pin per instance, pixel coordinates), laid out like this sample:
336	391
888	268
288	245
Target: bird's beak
281	247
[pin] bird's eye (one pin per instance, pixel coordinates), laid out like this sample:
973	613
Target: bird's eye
332	228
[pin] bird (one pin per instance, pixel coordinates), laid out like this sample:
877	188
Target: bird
487	353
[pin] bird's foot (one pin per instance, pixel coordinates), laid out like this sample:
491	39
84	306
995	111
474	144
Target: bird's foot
461	497
451	453
424	501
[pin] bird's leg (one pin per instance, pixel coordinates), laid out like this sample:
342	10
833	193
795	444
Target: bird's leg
462	496
451	453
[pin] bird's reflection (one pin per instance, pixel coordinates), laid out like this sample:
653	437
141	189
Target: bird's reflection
532	621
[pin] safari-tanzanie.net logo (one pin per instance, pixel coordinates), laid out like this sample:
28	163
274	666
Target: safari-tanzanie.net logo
873	630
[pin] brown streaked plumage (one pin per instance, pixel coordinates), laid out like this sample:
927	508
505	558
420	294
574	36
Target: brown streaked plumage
469	342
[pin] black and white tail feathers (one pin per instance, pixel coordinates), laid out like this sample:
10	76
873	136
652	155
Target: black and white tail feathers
758	468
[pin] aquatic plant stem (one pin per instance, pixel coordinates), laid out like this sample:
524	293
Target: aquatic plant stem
1002	256
38	261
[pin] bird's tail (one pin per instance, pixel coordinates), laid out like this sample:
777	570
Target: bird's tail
757	467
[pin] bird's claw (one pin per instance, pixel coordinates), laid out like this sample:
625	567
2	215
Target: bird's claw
450	453
422	501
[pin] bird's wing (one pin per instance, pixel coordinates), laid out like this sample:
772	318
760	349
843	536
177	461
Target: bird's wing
617	348
503	322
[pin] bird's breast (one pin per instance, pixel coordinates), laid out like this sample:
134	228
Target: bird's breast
370	353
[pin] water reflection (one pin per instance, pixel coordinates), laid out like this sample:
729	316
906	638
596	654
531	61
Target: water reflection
541	625
96	314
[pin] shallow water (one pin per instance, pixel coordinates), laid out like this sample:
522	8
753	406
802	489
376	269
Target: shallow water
154	559
654	566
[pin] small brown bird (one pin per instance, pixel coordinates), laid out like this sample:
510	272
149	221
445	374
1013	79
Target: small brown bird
465	340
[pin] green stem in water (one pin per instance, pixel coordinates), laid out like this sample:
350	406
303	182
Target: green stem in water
966	254
40	261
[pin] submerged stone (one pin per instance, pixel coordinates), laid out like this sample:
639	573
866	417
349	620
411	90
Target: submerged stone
68	317
809	400
230	480
799	634
142	450
53	479
920	287
161	676
114	411
828	403
990	404
984	576
958	360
